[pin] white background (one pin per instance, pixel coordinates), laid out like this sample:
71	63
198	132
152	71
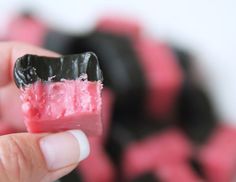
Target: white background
208	27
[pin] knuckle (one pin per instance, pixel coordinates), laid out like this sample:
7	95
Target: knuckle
13	159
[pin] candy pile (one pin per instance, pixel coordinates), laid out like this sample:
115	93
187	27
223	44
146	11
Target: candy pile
159	124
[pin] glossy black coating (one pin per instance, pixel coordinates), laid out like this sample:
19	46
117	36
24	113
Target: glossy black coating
31	68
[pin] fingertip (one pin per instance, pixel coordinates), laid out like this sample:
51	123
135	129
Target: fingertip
82	139
64	149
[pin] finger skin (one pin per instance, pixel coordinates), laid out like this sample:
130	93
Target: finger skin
10	107
21	160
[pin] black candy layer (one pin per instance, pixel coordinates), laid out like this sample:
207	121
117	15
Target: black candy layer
195	111
196	114
31	68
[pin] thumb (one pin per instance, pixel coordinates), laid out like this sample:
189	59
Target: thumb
41	157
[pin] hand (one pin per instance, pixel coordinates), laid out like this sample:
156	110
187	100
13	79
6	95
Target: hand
10	107
32	157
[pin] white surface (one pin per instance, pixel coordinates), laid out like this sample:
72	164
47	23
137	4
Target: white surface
206	26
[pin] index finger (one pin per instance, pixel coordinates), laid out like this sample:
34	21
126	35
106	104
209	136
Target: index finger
10	51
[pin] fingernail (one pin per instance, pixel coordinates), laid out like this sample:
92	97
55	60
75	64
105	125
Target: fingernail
64	149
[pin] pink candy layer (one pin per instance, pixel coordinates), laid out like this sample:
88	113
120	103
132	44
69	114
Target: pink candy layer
163	74
155	151
218	156
120	26
58	106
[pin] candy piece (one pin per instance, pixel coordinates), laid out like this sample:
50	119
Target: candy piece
163	74
124	131
60	93
195	113
218	155
129	28
157	150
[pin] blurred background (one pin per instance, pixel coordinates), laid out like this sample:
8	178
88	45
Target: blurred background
207	27
177	56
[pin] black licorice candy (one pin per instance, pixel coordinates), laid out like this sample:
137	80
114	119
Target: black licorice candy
31	68
61	43
60	93
196	113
